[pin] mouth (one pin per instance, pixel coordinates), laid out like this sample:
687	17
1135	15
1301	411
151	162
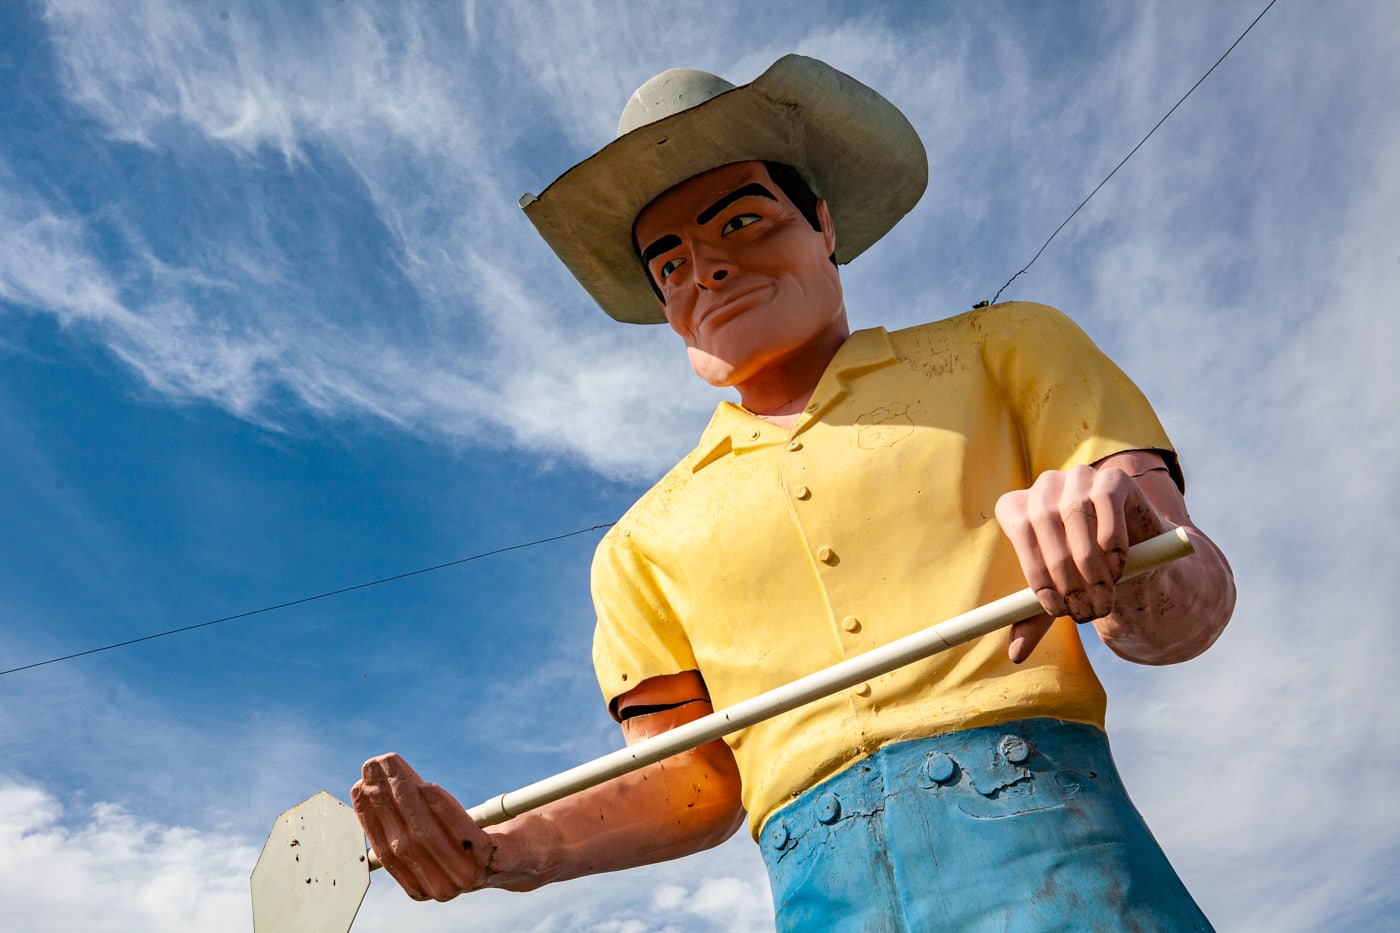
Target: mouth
730	307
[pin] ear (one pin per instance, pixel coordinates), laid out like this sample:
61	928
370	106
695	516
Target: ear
828	227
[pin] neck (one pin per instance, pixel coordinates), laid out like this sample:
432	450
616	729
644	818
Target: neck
785	387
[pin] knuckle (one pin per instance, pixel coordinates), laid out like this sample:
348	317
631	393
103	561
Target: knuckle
1074	509
1063	568
1050	599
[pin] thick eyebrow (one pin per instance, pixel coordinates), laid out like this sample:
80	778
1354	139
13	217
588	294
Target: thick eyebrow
666	243
752	189
670	241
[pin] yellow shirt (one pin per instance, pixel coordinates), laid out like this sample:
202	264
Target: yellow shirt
769	553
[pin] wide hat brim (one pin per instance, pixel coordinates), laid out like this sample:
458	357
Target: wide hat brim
852	146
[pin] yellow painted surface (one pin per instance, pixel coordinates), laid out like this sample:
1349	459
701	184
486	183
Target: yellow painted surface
768	553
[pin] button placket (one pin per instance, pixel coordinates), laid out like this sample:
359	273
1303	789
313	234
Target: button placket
809	499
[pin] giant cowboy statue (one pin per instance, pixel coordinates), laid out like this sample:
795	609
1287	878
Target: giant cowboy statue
864	484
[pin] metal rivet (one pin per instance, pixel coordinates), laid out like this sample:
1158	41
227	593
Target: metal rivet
754	435
802	492
851	624
829	808
938	768
813	407
1015	748
794	446
826	555
862	691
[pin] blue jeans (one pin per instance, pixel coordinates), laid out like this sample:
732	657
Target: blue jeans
1020	827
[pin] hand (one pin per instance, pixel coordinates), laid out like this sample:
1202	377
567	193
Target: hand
422	835
1071	531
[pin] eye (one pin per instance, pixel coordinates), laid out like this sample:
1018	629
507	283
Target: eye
738	222
671	265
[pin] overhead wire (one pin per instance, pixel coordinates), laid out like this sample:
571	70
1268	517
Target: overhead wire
581	531
307	599
1066	221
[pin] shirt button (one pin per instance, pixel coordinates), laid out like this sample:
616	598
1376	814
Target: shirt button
802	492
826	555
794	446
851	624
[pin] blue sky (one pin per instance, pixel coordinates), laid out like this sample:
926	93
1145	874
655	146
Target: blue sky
271	324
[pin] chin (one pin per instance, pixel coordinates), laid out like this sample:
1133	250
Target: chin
718	374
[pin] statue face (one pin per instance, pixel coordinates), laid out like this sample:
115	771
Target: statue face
744	279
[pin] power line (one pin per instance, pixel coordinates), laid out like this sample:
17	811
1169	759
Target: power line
516	547
307	599
1135	149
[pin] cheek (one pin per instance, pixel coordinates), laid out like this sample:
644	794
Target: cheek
822	287
678	320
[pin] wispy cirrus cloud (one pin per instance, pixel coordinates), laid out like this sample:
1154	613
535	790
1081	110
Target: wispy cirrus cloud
1242	267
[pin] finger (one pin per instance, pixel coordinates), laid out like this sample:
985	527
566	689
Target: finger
1111	490
424	841
1128	516
1026	635
379	819
1013	514
408	839
1056	580
468	867
1083	574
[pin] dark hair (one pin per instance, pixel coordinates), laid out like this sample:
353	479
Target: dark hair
793	186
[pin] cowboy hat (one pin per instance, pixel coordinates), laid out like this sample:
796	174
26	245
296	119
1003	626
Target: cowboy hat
853	147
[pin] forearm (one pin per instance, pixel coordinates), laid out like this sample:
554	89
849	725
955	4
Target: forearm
1175	612
676	807
426	839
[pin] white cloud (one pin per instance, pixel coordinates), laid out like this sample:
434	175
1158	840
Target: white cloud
1267	757
103	870
496	351
423	104
724	890
736	904
1243	267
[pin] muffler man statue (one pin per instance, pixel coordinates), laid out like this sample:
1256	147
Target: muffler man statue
864	485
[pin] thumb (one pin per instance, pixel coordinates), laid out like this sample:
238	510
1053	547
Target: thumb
1025	635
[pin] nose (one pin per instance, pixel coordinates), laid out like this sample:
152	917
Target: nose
712	266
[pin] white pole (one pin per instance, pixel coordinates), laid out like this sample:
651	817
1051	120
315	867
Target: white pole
983	620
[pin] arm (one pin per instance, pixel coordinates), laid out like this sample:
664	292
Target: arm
678	806
1071	531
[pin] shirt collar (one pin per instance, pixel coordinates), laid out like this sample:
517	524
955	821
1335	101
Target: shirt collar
734	429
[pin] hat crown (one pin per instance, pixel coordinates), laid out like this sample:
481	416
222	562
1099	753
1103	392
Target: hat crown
852	146
669	93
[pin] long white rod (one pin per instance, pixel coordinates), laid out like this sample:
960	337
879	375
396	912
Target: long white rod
983	620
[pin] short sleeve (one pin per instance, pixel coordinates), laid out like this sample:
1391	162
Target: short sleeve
1072	404
637	636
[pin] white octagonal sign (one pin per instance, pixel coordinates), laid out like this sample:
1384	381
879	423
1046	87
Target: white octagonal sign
313	872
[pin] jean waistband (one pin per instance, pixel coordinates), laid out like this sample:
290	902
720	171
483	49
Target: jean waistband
987	765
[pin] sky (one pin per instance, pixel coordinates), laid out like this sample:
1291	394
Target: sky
272	325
